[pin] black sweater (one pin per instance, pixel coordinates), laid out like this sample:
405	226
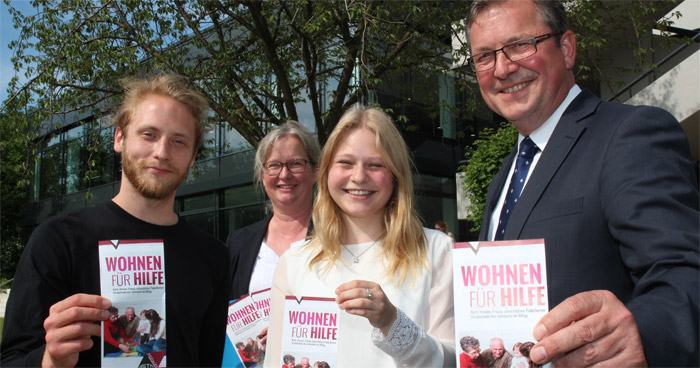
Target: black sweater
61	259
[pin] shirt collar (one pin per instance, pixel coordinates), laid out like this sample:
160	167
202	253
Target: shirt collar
541	135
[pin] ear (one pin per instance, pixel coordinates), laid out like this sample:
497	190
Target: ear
315	172
118	140
568	48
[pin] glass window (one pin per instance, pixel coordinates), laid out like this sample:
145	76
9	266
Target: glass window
36	180
50	173
74	165
435	199
232	141
242	195
73	133
210	146
53	140
238	218
101	157
205	221
199	202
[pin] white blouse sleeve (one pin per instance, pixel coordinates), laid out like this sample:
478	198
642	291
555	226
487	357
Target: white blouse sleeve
408	343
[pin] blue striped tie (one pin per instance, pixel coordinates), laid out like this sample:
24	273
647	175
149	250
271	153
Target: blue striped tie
526	152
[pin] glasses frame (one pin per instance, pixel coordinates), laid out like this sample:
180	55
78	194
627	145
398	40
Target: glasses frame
534	40
285	164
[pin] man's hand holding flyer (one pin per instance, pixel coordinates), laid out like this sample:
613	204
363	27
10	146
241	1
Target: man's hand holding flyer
132	276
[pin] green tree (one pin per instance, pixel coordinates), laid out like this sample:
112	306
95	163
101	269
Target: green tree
255	61
620	26
485	157
14	180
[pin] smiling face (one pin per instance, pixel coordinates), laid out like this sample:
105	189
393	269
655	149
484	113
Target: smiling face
528	91
157	148
130	314
358	180
287	188
497	349
473	352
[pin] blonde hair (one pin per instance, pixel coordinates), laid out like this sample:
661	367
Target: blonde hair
162	84
403	242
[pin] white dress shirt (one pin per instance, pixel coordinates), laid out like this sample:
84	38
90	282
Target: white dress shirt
540	137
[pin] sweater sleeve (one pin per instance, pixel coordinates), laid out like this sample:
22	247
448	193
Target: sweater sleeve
411	345
40	281
107	333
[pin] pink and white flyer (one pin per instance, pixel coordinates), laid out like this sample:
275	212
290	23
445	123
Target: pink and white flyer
132	276
247	321
310	330
500	292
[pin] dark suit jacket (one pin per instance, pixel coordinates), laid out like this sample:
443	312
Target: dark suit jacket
615	197
244	245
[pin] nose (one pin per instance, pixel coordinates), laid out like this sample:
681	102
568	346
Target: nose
358	174
285	173
504	67
162	149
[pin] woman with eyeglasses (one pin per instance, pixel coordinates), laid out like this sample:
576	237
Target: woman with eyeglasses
286	163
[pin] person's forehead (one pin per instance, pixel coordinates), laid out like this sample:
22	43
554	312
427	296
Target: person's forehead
163	113
504	22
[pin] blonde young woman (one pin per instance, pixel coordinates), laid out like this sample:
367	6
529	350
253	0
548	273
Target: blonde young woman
392	278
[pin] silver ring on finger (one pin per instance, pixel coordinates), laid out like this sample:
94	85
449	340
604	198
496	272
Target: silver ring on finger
369	294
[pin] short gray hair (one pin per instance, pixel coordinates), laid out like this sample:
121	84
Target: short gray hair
467	342
551	13
293	128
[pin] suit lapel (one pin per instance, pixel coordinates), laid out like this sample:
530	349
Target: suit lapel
252	241
565	135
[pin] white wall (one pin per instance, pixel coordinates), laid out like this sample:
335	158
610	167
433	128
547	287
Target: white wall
677	91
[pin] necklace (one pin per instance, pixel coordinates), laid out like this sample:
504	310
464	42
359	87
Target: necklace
356	258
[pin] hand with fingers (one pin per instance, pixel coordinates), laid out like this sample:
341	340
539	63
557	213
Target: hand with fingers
262	337
589	328
367	299
69	328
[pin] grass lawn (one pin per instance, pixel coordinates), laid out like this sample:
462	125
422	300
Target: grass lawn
2	320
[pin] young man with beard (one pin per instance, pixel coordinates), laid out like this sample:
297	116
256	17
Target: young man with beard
54	309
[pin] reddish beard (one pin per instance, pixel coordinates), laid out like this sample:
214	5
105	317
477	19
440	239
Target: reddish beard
145	183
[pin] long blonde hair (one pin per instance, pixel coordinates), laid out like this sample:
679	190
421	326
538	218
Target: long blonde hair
403	240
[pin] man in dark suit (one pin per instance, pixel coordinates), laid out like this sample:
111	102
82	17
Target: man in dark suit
611	189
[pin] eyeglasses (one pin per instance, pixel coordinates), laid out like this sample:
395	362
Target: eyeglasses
274	168
514	51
